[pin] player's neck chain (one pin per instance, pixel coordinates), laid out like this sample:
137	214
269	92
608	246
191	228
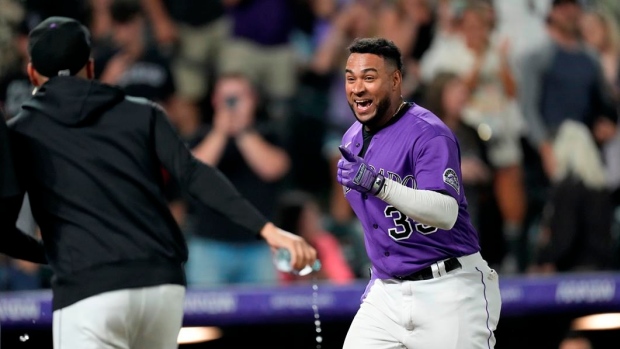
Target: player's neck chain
368	132
402	104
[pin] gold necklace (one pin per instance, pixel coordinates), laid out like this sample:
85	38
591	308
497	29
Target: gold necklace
399	108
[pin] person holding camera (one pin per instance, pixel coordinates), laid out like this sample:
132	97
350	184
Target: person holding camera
243	144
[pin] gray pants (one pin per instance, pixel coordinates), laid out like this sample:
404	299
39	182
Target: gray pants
140	318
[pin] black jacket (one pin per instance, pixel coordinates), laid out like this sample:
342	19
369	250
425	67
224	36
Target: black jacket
13	242
91	160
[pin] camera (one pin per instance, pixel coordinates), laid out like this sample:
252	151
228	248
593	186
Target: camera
231	101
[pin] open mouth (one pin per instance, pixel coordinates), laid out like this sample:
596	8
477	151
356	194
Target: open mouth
363	105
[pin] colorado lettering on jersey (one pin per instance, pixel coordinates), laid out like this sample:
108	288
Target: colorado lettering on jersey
408	181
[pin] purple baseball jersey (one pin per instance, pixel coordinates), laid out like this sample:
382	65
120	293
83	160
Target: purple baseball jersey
421	152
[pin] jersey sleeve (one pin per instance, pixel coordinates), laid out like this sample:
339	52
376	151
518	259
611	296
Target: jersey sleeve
438	167
8	181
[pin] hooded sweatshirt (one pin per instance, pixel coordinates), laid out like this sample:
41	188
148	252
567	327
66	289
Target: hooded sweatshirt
13	242
91	160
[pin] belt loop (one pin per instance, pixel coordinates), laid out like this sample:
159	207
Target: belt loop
441	265
435	270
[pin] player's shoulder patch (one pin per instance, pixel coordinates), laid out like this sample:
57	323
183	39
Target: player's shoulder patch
451	179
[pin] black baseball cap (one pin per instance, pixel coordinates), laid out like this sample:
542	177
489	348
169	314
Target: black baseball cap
59	46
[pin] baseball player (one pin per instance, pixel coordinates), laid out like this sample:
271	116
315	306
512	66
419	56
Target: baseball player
400	168
90	158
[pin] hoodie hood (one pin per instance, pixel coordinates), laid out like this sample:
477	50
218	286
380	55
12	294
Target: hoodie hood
73	101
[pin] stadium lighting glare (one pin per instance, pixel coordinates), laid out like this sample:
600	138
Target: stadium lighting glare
191	335
609	321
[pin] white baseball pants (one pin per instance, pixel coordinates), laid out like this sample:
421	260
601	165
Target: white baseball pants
459	310
140	318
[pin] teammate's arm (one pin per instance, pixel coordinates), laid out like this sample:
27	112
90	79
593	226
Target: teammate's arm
203	182
13	242
209	186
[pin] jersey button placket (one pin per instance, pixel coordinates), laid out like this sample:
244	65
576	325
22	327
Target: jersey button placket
386	253
375	225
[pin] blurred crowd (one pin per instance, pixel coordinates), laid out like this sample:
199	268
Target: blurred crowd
531	88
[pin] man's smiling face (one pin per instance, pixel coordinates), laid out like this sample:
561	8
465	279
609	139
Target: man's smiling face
369	82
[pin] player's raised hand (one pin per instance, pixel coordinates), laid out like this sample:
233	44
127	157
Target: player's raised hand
355	173
302	254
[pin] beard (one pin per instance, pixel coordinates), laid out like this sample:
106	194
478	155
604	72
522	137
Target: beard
378	118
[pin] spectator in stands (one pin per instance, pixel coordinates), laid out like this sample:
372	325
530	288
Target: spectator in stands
410	24
492	109
446	96
15	87
38	10
260	48
609	7
91	13
562	81
577	222
132	62
242	144
349	19
306	126
447	38
601	32
193	32
299	213
11	13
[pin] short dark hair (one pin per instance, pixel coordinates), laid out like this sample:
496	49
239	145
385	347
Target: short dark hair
124	11
380	47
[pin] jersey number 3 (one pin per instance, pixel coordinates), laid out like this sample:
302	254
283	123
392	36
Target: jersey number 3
403	226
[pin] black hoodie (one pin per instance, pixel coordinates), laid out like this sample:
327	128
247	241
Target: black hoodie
13	242
91	160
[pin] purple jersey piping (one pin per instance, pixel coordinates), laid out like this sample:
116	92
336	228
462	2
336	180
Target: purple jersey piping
486	307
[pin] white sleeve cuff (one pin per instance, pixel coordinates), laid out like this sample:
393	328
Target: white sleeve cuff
423	206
